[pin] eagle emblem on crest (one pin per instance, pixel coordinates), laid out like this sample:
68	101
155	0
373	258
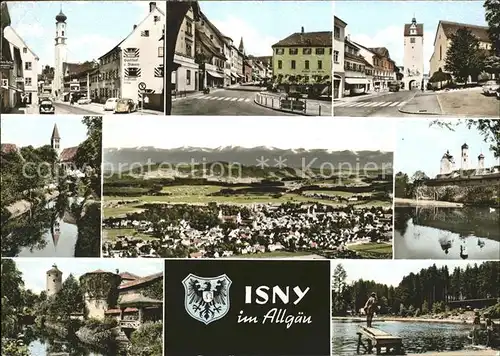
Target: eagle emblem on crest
206	299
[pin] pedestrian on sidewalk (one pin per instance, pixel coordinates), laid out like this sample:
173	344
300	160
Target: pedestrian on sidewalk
476	326
489	330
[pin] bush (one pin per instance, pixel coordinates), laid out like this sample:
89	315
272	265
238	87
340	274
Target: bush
101	325
147	340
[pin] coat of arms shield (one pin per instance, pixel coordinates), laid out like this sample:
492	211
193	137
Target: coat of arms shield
206	299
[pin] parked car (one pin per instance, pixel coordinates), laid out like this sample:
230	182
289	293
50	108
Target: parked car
498	93
490	87
110	104
125	105
83	101
394	86
46	107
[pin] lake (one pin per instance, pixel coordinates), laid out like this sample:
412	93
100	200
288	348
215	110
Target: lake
50	231
417	337
446	233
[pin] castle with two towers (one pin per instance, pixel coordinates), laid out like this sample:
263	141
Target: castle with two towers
448	167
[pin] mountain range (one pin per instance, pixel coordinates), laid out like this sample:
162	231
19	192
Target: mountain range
295	158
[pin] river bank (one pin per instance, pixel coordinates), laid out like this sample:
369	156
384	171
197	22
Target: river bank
402	202
411	319
22	206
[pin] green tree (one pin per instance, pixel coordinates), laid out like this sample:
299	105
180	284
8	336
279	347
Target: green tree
68	300
89	154
492	12
338	290
463	57
12	297
402	185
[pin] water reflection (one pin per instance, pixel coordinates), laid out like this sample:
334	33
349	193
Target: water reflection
48	230
44	343
418	337
446	233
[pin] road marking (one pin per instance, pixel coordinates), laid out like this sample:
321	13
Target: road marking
395	103
228	98
403	103
363	103
241	99
385	104
247	100
380	103
373	103
234	99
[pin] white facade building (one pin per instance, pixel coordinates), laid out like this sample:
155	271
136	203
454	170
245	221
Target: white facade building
339	35
413	61
29	65
137	59
60	55
185	77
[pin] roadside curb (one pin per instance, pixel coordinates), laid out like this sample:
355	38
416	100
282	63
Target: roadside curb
280	110
402	109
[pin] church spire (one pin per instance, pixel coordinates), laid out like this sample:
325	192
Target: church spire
241	47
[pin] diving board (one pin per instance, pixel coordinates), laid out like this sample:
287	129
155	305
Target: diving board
379	340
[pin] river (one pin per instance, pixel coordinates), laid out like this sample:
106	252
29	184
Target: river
50	231
417	337
446	233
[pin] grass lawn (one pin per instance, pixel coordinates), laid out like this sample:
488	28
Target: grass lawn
275	254
111	234
469	103
337	193
372	248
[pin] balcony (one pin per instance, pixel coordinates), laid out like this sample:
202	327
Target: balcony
130	324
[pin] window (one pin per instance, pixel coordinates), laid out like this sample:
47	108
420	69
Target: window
188	77
145	33
320	64
413	32
440	52
211	37
306	51
292	64
336	56
293	51
280	64
25	50
320	51
306	64
157	18
336	32
27	66
160	51
280	51
189	28
330	51
189	49
27	81
132	72
412	40
63	34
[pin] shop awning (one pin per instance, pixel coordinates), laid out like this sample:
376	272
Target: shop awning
11	87
356	81
215	74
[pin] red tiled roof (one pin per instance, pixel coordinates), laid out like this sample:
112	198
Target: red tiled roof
68	155
307	39
450	28
128	275
75	69
380	51
204	40
98	271
140	281
9	148
420	29
113	311
130	309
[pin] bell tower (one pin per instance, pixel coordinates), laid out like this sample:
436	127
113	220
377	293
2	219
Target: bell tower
55	140
61	52
465	157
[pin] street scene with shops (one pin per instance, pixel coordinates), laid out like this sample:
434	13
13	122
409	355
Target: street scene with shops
80	69
227	59
438	59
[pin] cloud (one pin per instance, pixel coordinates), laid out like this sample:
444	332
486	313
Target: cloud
255	42
392	38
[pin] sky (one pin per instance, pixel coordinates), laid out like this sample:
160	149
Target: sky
390	272
263	23
34	269
385	29
93	27
36	130
281	132
420	147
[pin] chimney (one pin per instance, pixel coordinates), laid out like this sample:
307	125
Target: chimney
117	271
152	6
302	29
135	26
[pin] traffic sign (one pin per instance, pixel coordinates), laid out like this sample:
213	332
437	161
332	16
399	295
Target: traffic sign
142	85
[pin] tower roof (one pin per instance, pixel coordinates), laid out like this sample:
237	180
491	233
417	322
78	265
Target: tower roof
55	132
465	146
241	47
481	156
61	17
54	269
